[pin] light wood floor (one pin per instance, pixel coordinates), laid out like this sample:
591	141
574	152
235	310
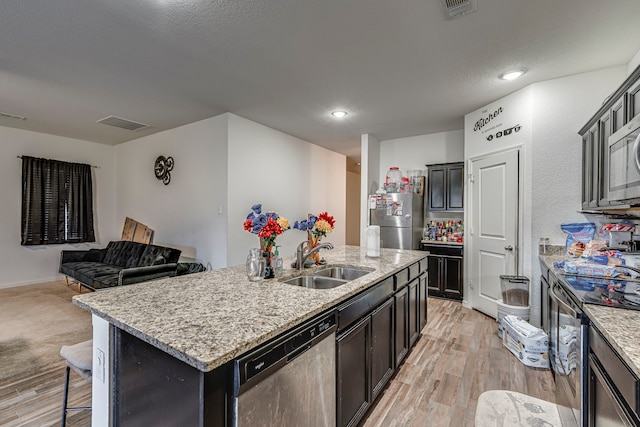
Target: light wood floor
458	356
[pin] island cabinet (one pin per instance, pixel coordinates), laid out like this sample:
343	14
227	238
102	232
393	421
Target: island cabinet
154	388
375	332
613	388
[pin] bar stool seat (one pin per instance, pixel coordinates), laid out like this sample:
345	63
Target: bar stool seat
79	358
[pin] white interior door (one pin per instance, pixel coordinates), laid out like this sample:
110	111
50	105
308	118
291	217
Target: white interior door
494	227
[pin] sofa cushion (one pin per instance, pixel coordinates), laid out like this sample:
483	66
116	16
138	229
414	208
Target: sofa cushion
94	255
92	274
156	255
129	255
106	281
113	251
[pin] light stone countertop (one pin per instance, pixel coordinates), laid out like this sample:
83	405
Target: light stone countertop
621	327
207	319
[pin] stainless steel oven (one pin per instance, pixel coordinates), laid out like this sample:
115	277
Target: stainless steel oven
623	157
568	336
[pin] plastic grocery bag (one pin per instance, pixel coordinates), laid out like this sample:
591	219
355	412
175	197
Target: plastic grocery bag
578	235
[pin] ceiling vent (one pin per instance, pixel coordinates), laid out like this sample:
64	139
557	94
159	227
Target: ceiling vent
12	116
121	123
456	8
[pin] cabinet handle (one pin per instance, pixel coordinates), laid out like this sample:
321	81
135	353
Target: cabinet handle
508	248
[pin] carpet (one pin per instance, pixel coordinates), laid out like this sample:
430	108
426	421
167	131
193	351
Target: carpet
35	321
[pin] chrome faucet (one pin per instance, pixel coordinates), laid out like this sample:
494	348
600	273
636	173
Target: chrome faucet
301	256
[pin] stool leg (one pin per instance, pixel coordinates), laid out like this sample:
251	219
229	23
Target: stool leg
65	398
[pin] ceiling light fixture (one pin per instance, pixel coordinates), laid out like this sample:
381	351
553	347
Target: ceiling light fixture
513	74
339	114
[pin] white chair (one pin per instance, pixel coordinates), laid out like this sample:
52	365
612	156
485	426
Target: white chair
79	357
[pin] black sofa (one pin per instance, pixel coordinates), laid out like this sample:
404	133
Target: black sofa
120	263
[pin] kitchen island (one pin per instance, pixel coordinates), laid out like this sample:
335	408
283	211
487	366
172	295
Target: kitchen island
207	320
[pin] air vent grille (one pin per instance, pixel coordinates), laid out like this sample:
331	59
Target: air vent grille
456	8
121	123
12	116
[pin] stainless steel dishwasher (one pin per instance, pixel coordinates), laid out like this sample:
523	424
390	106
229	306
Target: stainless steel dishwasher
289	382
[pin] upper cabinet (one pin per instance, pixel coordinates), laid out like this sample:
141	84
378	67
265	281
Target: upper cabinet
445	187
615	112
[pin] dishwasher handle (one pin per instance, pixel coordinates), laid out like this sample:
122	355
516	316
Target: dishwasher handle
297	352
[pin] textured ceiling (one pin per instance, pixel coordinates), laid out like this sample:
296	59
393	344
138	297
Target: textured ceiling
398	67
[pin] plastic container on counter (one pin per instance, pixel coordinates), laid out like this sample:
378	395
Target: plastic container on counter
393	181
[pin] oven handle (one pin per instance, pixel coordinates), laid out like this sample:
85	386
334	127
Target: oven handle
561	303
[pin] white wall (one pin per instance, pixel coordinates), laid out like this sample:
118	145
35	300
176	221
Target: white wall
190	212
353	199
414	152
369	178
552	157
285	174
22	265
561	108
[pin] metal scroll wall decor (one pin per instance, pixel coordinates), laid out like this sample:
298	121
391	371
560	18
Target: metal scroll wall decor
163	168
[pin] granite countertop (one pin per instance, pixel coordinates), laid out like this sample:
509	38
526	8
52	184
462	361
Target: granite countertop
207	319
621	327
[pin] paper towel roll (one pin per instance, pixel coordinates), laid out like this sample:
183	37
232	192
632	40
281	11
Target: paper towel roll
373	241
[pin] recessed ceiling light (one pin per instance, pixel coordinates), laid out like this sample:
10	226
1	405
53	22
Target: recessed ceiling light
339	114
513	74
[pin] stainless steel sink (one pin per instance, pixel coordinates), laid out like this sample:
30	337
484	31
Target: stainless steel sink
315	282
342	273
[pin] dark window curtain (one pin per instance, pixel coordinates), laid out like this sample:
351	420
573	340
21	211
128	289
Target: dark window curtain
57	202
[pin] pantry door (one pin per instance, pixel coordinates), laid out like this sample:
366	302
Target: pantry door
494	227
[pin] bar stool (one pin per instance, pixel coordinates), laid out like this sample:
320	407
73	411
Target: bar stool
79	357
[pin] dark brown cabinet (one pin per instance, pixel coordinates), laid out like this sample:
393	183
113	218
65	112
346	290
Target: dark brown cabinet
401	325
414	311
381	347
445	268
612	386
422	295
353	373
375	332
633	101
616	111
445	187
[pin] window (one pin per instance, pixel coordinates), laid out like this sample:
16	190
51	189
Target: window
57	202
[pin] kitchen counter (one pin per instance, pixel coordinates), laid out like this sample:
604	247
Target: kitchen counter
207	319
439	242
619	326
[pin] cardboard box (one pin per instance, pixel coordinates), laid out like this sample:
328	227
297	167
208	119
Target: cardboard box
528	343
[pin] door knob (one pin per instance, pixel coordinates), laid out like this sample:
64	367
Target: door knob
508	248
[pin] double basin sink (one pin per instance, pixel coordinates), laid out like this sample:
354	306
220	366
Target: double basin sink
327	278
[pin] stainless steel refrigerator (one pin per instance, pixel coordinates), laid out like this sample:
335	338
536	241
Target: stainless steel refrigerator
400	217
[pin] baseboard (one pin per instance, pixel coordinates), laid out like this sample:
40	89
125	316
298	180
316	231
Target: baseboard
32	282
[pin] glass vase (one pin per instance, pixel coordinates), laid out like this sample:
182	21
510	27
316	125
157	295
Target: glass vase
267	256
312	242
255	265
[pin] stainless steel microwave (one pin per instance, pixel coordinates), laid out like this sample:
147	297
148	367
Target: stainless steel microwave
623	156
